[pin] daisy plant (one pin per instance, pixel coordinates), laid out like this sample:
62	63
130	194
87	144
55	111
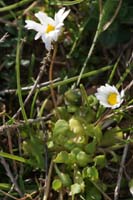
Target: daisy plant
48	29
109	96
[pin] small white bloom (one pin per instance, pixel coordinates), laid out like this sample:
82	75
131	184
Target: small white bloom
131	186
131	190
109	96
48	29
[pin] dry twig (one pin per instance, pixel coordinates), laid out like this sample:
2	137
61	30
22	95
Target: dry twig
44	62
4	37
27	88
48	180
118	184
10	175
22	123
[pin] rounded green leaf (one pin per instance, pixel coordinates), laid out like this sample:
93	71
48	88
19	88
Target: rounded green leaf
91	173
73	97
61	126
100	160
76	126
56	184
75	189
82	158
61	157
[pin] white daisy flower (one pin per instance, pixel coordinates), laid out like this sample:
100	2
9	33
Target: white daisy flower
131	186
109	96
48	29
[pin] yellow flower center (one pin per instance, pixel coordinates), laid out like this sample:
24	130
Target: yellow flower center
50	28
112	98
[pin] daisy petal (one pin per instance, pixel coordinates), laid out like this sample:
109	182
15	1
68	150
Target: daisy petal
33	25
42	17
61	15
109	96
48	42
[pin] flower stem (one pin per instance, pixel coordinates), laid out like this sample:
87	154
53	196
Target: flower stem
18	76
51	79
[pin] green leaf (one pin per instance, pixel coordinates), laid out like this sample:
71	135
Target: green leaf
91	173
75	189
100	160
63	112
71	159
5	186
94	131
93	194
61	126
64	177
33	147
76	126
83	159
14	157
79	179
108	11
112	137
73	97
76	150
91	147
56	184
62	157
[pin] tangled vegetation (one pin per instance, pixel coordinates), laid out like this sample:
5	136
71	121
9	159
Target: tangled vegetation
66	100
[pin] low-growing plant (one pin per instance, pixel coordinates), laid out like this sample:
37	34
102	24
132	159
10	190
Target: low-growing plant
82	146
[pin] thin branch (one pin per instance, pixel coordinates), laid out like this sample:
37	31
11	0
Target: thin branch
129	86
30	7
118	184
22	123
100	6
10	175
106	26
44	62
10	146
27	88
4	37
102	192
9	195
48	180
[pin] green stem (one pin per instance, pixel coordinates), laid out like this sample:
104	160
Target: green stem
33	103
51	79
18	76
15	5
113	71
11	12
66	3
14	157
70	80
98	31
